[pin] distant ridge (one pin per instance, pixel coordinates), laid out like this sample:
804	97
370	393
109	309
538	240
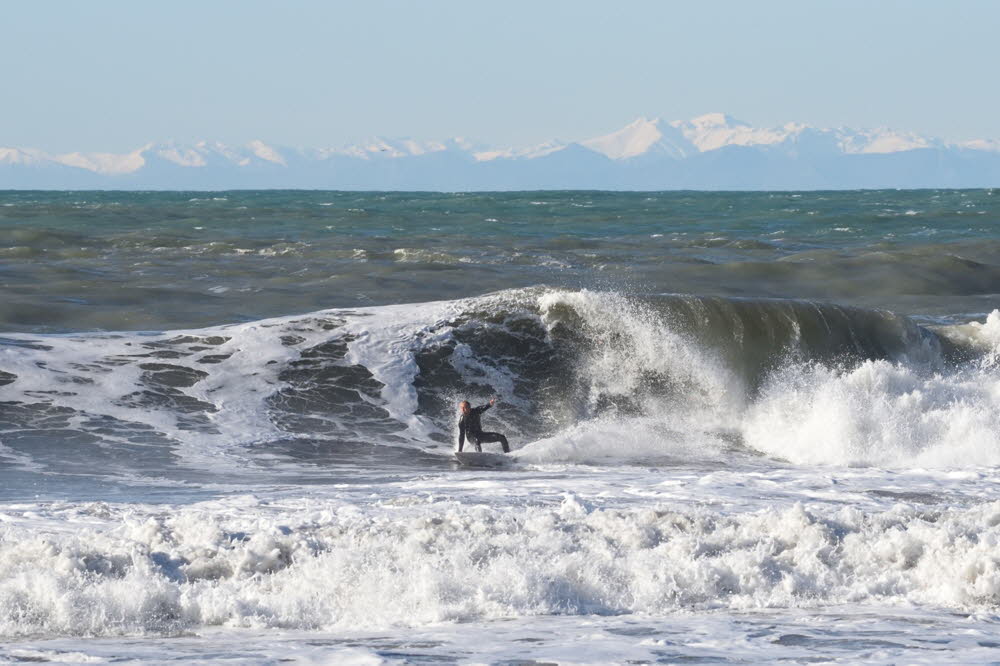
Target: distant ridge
709	152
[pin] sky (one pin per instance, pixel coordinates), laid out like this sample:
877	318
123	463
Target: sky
112	75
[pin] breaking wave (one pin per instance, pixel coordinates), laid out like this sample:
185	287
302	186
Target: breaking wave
583	376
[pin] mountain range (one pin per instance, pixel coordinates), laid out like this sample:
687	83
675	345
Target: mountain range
710	152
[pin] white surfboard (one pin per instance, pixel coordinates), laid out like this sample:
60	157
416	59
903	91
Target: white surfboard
477	459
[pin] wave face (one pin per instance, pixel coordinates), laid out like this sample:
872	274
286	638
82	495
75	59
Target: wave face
583	376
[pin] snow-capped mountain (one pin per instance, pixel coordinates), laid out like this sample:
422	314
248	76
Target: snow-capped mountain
713	151
643	137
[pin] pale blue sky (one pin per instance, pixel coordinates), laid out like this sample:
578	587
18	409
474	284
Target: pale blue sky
113	74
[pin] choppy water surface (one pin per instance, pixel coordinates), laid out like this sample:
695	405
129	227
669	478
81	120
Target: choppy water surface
747	427
126	261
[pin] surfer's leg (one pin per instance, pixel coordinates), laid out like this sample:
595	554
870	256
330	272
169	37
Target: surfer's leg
495	437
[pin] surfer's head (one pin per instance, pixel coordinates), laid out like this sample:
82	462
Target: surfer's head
464	406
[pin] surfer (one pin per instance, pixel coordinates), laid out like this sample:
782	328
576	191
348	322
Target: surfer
470	427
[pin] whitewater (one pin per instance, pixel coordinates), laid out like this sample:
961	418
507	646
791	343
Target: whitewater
751	427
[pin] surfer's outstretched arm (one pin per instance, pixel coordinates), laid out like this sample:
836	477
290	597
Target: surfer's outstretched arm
461	437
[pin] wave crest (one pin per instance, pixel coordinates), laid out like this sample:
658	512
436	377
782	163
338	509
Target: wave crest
583	377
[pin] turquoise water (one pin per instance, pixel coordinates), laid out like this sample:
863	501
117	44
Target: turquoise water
115	260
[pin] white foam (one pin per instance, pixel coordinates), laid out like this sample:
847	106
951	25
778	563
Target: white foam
323	565
984	337
53	657
878	413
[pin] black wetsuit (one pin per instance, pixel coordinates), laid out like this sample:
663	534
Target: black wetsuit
470	427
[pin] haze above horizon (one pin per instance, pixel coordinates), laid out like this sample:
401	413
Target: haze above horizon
111	75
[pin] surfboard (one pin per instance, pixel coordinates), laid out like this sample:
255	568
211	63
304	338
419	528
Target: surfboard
477	459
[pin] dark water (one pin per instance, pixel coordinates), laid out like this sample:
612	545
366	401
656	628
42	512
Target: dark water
153	261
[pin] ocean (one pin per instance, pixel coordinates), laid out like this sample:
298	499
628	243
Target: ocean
746	427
